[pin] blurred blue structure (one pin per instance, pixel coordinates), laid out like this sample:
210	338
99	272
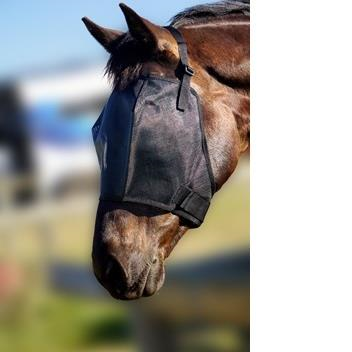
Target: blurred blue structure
47	123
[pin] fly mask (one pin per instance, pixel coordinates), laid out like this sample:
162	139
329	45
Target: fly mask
151	144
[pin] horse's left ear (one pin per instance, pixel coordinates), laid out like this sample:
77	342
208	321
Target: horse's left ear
157	37
105	36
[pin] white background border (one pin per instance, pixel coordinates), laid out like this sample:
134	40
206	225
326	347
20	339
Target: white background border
301	176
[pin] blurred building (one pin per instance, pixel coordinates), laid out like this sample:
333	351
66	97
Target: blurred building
45	123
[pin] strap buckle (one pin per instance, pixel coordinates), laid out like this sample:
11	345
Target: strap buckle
189	70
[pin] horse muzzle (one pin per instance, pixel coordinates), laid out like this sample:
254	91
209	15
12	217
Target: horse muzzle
131	243
130	280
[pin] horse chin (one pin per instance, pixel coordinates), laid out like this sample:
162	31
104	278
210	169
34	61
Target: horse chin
155	281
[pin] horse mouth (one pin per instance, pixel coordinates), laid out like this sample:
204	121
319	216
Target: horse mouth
147	284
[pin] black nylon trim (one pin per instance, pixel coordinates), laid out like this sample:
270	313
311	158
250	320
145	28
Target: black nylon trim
194	222
139	201
205	144
173	208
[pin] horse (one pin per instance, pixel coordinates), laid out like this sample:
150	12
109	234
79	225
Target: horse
132	241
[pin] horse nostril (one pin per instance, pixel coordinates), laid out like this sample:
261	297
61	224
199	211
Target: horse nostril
154	260
116	273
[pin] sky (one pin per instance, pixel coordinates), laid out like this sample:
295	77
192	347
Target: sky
40	34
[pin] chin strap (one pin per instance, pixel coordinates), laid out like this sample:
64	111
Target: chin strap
185	70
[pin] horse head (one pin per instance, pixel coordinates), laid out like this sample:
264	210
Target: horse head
131	240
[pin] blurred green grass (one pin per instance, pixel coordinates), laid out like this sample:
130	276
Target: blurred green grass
54	322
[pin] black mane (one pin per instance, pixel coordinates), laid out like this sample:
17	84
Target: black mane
207	12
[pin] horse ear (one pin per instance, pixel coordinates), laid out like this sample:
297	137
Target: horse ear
104	36
145	31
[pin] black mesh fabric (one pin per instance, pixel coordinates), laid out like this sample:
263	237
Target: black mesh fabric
152	153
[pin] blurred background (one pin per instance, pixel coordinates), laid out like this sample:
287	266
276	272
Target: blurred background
52	88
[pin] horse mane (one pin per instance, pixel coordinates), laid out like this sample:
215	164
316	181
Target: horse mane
209	12
126	62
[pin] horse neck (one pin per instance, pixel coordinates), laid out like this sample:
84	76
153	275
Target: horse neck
222	49
219	52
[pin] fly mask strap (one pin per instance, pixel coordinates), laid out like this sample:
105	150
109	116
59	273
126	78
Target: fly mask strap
191	204
186	71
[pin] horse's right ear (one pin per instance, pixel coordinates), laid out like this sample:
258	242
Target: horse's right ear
104	36
144	31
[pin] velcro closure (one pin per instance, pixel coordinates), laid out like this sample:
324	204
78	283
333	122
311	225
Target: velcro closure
191	202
